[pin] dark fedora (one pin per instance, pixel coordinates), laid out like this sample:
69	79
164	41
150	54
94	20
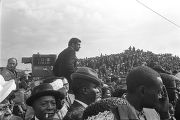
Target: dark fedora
44	89
86	73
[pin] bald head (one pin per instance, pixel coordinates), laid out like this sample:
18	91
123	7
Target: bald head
142	75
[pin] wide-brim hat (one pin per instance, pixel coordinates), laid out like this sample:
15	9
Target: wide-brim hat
44	89
6	87
86	73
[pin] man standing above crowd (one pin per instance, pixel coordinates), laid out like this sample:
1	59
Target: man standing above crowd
65	64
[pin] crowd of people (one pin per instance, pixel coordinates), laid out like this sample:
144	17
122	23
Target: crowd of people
133	85
121	64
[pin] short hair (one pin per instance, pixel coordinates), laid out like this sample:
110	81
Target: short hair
12	59
73	41
100	106
141	75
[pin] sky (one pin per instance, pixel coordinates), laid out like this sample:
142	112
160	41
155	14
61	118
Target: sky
103	26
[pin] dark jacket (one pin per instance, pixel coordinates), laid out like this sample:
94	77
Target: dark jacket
75	112
65	63
8	74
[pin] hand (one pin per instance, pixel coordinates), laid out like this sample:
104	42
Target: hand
162	107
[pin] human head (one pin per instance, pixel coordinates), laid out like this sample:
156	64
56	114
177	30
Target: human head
44	100
145	85
74	43
170	82
85	85
12	63
103	108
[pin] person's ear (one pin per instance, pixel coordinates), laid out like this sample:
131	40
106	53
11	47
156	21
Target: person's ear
141	90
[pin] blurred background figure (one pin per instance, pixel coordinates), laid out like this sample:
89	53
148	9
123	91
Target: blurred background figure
106	92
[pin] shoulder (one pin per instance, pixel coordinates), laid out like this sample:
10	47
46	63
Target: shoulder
75	106
68	50
5	70
7	74
151	114
16	118
74	113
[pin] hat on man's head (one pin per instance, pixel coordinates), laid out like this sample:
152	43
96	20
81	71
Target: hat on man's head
6	87
44	89
86	73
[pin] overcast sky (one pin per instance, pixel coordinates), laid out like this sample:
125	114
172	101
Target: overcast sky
104	26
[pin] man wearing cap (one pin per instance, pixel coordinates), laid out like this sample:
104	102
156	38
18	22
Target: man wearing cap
85	86
44	101
65	64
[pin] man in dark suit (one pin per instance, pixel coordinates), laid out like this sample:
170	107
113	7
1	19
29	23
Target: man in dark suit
85	86
45	101
65	64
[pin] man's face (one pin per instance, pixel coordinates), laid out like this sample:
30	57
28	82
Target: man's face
93	93
45	107
12	64
153	94
77	46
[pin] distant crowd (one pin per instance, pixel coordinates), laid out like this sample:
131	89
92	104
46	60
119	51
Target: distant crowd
120	64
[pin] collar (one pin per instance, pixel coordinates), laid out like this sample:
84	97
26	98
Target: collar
35	118
83	104
140	114
71	47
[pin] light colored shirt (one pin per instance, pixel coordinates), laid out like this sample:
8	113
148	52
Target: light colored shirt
80	102
36	118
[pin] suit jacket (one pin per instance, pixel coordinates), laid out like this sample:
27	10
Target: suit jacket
125	111
8	75
75	112
65	63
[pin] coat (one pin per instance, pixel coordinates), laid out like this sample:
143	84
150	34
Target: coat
75	112
65	64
